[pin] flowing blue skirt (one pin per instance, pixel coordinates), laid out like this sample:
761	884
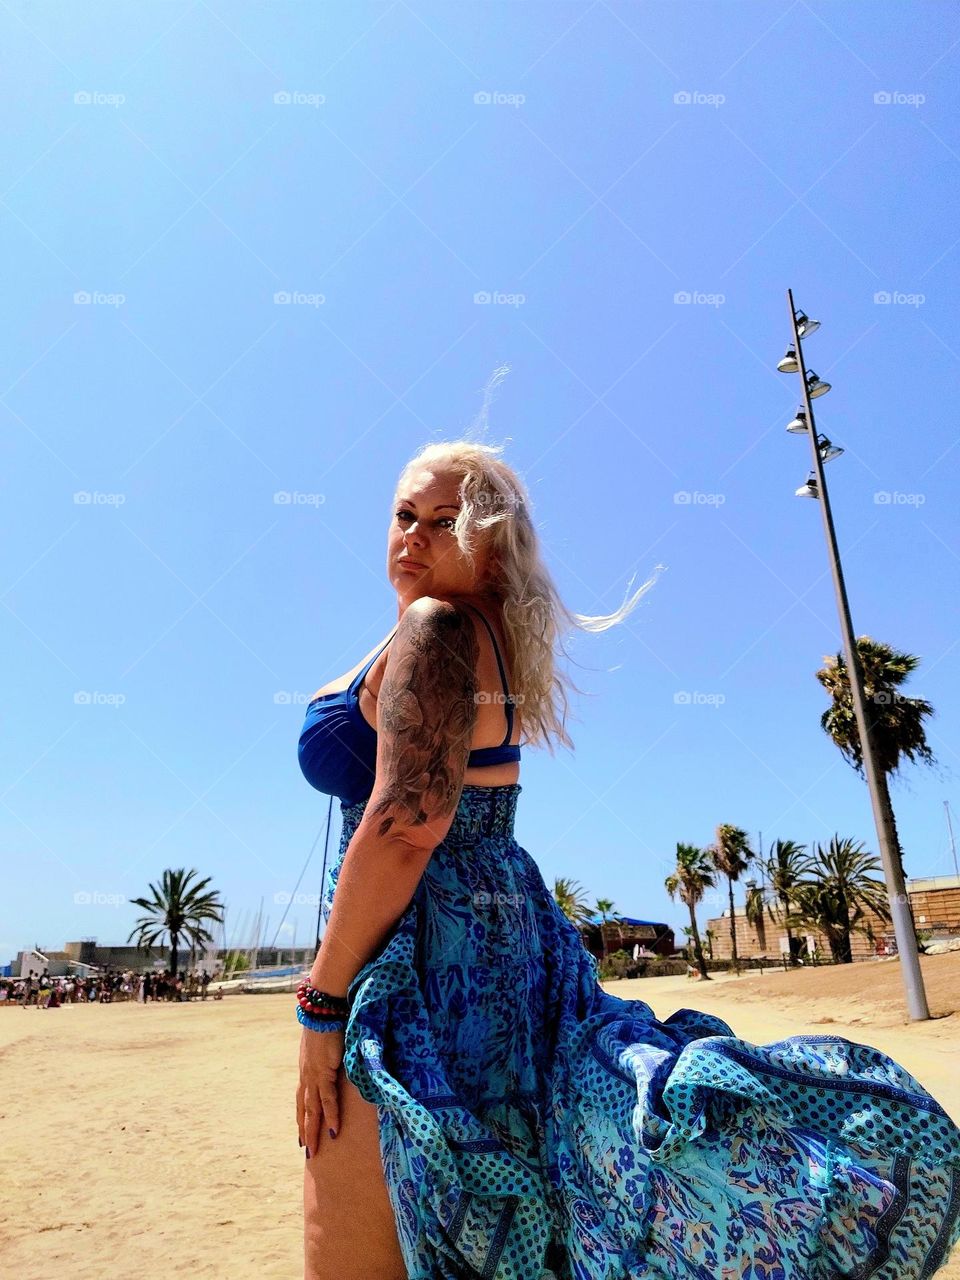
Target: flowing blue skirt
534	1126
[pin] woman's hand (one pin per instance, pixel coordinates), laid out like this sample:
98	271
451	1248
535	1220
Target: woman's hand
318	1101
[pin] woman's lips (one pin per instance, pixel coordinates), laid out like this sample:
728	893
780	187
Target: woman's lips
411	564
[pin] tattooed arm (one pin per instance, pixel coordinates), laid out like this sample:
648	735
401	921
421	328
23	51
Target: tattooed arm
426	712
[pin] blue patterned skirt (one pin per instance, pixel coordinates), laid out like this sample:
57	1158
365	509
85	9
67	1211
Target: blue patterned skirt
534	1126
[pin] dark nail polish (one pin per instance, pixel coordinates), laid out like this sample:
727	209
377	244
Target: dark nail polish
299	1140
307	1149
331	1133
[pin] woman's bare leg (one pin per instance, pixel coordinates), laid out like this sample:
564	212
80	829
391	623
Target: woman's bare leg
349	1231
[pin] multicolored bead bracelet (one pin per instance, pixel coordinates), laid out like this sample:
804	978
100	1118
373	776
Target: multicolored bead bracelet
320	1011
320	1024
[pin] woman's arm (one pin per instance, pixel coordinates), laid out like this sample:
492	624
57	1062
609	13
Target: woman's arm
426	712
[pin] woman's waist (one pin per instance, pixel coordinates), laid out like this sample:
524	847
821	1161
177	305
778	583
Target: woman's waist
483	812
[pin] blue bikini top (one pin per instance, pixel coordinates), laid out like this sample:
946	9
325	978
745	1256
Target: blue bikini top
338	748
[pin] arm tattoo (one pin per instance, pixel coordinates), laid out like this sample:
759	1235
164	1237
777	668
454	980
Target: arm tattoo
426	712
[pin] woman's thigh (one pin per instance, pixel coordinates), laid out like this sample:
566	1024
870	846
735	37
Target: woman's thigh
349	1231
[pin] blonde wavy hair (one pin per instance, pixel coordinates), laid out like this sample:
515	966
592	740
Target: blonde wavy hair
492	496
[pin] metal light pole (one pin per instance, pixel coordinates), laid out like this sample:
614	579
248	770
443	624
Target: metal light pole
903	925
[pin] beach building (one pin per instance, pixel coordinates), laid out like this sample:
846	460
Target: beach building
622	933
87	955
934	901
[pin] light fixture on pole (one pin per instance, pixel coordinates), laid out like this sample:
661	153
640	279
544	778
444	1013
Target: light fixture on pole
789	362
806	326
899	904
828	451
799	425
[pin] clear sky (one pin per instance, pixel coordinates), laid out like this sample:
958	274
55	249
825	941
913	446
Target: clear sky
160	638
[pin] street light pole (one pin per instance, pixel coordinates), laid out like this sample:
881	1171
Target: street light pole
902	916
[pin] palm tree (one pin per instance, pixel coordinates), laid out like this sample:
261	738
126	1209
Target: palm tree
604	908
896	721
789	868
844	890
756	912
693	876
709	935
571	898
177	909
731	856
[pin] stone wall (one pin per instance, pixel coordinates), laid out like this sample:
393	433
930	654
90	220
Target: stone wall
749	943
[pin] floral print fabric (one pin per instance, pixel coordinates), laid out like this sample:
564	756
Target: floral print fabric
535	1127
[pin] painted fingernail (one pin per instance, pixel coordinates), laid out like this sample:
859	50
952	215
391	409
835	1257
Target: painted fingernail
300	1140
307	1153
331	1133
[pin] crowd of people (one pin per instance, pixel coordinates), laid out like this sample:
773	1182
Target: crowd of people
110	986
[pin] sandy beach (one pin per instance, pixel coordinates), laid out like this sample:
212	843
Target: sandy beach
143	1140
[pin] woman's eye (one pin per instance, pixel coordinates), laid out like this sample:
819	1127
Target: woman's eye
449	521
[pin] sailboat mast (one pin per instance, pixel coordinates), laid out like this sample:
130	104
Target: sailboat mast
953	843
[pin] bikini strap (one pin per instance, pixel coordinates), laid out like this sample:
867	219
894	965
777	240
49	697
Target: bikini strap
361	675
503	675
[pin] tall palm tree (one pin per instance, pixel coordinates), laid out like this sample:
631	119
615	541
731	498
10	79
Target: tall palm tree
731	856
604	908
896	720
571	898
845	889
693	876
177	910
788	868
755	910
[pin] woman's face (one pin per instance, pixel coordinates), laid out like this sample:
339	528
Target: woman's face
421	533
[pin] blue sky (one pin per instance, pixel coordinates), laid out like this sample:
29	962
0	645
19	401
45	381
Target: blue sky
583	195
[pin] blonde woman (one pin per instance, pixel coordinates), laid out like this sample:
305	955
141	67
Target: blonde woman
471	1102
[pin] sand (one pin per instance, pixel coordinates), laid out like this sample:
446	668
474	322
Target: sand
161	1139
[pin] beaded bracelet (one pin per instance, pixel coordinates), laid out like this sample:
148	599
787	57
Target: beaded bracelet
319	1004
320	1024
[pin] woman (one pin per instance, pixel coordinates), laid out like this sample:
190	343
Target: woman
471	1101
